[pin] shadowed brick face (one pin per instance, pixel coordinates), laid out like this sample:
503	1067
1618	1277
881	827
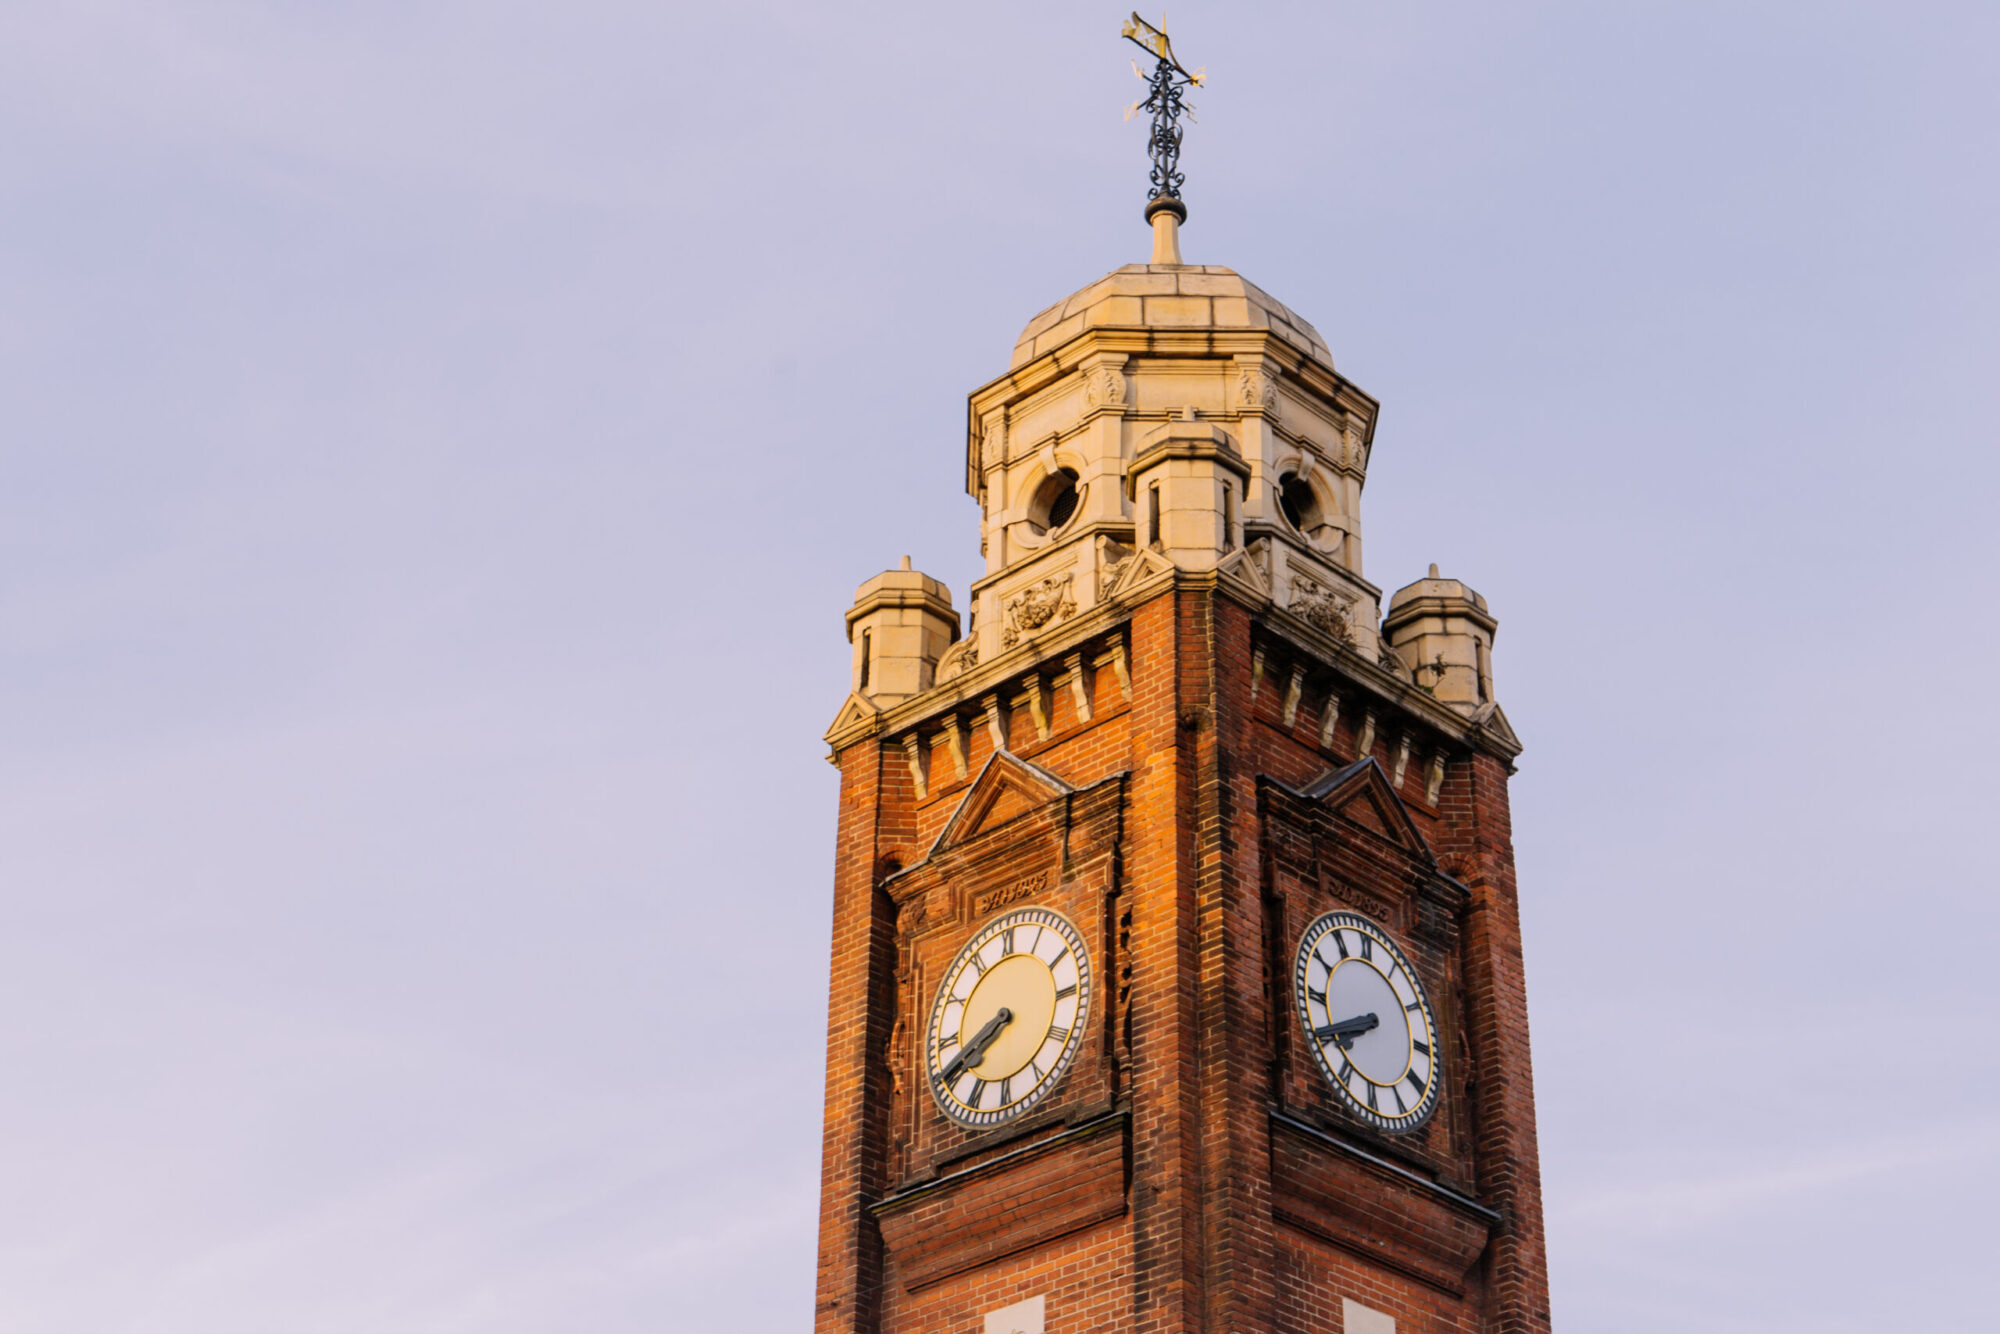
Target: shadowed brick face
1193	1173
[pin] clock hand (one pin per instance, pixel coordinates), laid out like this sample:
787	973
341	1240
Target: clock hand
1344	1032
972	1052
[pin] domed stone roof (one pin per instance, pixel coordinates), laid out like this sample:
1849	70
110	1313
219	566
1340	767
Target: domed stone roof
1184	296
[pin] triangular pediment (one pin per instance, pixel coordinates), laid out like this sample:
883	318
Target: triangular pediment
1142	568
1247	571
858	711
1363	793
1007	786
1494	720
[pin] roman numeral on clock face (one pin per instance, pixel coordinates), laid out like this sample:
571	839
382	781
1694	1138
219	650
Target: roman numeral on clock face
1066	992
978	1092
1367	948
1340	943
1007	941
1058	1034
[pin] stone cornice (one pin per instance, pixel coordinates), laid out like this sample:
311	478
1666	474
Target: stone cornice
1195	344
995	674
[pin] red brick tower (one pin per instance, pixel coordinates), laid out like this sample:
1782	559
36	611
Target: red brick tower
1177	972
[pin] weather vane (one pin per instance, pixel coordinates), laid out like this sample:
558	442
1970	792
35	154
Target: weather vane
1168	81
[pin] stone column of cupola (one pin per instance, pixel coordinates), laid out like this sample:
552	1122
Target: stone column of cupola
1185	485
1256	400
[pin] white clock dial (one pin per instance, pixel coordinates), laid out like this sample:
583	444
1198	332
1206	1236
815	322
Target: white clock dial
1367	1021
1009	1017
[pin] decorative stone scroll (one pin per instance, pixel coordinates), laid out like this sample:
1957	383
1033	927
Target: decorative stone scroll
1037	605
1321	607
959	659
1104	387
1256	391
1112	557
1353	450
993	440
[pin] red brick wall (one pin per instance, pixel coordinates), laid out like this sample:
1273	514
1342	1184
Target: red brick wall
1193	966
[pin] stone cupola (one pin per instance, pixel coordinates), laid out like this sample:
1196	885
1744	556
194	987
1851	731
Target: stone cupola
1167	416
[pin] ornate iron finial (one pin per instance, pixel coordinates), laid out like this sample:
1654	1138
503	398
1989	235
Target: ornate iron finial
1164	100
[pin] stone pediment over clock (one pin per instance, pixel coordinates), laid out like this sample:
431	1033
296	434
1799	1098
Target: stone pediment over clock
1345	842
1007	786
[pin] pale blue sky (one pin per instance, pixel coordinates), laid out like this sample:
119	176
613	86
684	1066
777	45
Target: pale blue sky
438	442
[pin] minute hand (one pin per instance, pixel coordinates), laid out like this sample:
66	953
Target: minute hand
1344	1032
970	1054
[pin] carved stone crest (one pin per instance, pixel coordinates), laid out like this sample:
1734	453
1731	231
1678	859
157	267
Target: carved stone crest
1037	605
1318	605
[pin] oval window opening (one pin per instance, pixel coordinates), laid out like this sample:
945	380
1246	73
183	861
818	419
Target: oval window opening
1055	502
1298	503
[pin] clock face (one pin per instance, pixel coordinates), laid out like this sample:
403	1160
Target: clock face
1367	1021
1009	1017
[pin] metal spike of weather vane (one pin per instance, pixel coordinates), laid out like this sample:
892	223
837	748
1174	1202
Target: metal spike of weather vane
1164	100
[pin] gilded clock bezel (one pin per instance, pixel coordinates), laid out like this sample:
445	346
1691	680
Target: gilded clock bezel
1427	1105
987	1118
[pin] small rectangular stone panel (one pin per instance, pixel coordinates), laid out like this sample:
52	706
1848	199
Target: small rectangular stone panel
1028	1318
1354	1319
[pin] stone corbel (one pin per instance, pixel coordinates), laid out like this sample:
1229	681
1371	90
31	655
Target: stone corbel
1402	760
1078	674
955	741
1122	668
1436	783
1292	693
1038	705
1364	746
996	721
914	752
1329	716
1256	674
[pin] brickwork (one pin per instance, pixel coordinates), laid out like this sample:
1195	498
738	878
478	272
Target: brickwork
1193	1174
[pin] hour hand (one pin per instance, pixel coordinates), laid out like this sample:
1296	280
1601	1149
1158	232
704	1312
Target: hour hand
970	1053
1343	1033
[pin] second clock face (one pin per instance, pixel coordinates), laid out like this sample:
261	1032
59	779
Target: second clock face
1009	1017
1367	1021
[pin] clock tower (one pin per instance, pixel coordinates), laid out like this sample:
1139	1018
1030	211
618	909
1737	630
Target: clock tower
1177	978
